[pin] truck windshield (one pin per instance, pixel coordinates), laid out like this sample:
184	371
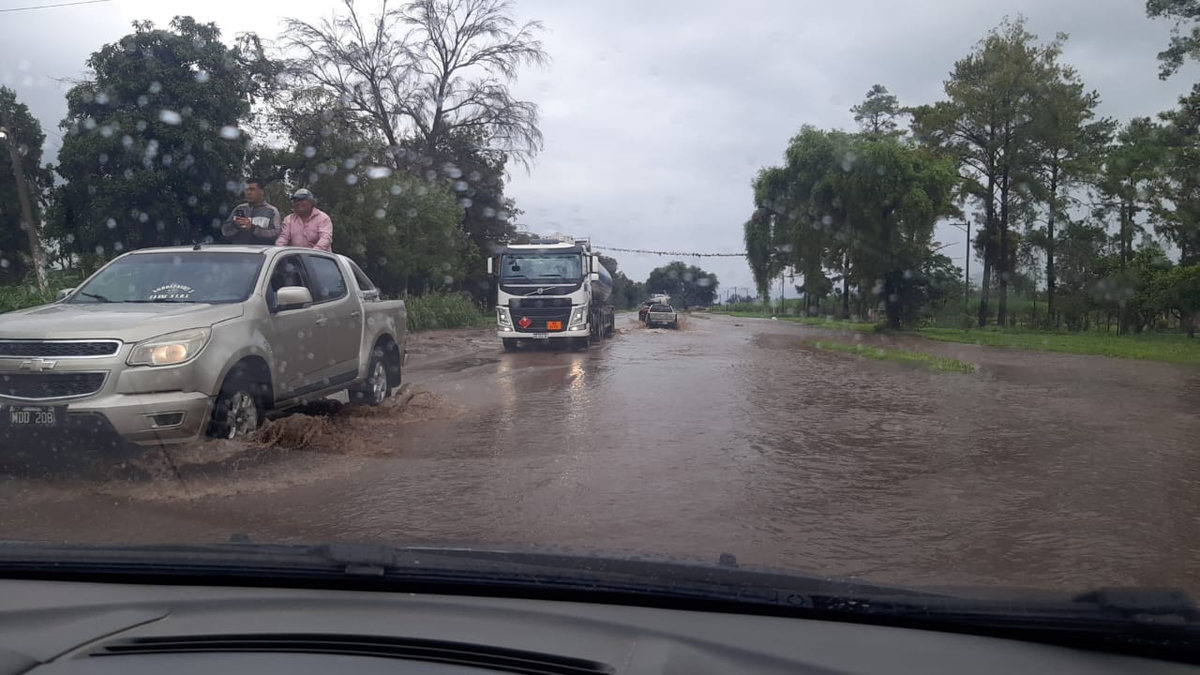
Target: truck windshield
540	266
174	277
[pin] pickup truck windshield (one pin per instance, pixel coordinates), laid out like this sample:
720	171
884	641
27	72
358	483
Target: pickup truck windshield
199	277
662	308
540	266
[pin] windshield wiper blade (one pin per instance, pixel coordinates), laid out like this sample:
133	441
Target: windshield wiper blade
95	296
1103	612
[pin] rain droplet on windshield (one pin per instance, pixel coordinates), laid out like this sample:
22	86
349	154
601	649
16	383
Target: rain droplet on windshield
351	179
380	214
155	87
460	186
230	132
169	117
396	189
310	152
379	172
112	224
202	76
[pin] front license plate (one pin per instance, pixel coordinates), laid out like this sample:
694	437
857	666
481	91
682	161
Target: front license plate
553	325
540	336
29	416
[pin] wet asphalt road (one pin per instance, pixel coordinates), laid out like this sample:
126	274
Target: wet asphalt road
731	435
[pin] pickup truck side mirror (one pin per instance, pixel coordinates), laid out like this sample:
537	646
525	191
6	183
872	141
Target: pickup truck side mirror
490	265
62	295
594	276
292	297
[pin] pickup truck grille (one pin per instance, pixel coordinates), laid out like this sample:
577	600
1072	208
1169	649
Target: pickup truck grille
35	386
538	316
23	349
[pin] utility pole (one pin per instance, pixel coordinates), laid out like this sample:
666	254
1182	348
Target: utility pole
782	300
35	246
967	265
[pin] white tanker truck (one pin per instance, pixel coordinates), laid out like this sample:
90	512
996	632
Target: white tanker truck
552	289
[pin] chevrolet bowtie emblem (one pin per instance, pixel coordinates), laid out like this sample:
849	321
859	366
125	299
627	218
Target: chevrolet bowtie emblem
38	365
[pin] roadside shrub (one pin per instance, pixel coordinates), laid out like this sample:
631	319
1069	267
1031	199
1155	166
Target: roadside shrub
443	310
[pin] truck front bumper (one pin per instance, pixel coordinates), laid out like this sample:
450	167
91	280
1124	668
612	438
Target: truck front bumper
510	334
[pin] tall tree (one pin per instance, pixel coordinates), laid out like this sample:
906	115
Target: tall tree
1185	39
1130	169
427	70
1176	207
1066	147
24	132
765	229
153	148
403	230
876	115
806	217
987	124
688	285
894	195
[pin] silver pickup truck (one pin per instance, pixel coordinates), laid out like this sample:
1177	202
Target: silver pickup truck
167	345
662	315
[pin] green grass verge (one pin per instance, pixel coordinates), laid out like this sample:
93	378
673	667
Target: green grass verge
443	310
938	363
1168	348
820	322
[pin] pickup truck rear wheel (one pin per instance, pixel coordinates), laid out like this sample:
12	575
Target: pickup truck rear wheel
375	388
238	412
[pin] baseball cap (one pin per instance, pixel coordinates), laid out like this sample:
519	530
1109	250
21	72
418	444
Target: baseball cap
302	193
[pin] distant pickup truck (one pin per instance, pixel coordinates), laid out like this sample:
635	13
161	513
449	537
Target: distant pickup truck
662	315
167	345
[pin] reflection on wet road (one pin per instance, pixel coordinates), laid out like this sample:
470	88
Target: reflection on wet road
730	436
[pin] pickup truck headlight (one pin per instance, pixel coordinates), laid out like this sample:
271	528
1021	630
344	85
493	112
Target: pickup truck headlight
578	316
170	349
502	316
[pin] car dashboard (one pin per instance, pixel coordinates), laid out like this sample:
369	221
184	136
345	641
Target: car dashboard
63	627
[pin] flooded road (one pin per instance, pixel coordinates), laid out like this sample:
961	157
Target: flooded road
731	435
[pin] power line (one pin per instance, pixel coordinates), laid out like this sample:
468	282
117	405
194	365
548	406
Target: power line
60	4
676	254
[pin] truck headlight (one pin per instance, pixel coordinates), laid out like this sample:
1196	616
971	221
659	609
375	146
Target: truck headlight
578	316
170	349
502	316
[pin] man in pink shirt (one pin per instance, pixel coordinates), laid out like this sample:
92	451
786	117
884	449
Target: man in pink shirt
307	225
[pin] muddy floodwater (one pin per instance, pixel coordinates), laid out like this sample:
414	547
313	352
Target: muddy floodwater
729	435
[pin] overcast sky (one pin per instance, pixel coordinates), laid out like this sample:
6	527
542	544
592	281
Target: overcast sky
657	114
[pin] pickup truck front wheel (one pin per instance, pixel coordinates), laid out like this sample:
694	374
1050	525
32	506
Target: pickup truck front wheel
238	412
